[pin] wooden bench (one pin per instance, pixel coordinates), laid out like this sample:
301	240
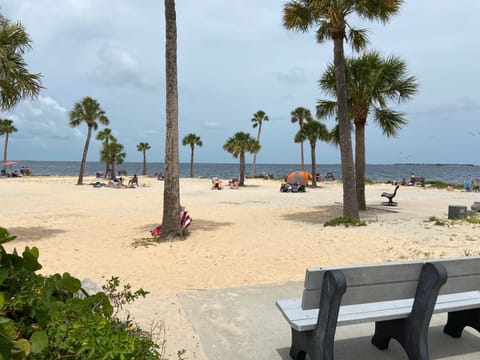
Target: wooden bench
399	297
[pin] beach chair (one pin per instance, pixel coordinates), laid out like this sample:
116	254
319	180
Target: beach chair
390	197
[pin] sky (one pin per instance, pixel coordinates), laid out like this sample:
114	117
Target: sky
235	58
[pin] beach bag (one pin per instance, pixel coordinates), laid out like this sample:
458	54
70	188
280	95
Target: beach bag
185	221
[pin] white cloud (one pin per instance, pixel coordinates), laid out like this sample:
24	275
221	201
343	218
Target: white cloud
118	67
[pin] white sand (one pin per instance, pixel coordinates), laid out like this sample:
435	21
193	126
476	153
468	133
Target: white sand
253	235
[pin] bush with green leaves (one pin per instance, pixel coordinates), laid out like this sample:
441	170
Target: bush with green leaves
42	317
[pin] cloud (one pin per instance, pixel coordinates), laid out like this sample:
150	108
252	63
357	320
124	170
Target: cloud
212	125
118	67
43	119
293	76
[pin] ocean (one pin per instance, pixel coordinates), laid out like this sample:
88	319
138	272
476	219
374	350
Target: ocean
448	173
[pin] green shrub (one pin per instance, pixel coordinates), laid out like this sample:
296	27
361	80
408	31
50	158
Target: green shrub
44	318
346	221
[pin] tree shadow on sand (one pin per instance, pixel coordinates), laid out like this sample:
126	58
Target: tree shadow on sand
322	214
198	224
34	233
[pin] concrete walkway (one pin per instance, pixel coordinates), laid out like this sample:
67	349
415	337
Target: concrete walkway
244	323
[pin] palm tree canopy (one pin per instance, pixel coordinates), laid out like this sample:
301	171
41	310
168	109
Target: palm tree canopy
301	115
192	140
258	118
113	152
312	131
329	17
89	111
143	146
372	82
241	143
6	127
16	83
106	135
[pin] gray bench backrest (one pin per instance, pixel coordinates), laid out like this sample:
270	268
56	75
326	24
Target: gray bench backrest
391	281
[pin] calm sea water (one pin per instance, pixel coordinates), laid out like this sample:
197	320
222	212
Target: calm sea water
457	174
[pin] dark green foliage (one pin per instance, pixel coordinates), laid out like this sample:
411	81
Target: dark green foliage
346	221
45	318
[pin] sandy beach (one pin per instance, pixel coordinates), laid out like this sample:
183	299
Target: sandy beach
254	235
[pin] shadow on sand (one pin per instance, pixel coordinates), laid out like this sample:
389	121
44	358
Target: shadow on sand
33	233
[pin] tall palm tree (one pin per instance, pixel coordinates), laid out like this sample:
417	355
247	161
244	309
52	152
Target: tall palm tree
330	19
106	136
313	131
87	111
113	154
301	115
258	118
372	81
143	147
171	191
238	145
192	140
16	83
6	128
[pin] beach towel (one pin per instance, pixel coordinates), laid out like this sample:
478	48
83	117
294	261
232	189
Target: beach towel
185	221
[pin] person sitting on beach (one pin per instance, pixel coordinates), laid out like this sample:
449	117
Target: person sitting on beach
413	179
404	182
217	184
133	182
234	183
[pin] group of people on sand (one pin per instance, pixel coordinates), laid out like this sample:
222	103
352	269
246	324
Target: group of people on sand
217	184
411	182
119	183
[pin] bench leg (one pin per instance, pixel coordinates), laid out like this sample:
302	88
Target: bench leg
412	332
457	321
318	343
414	341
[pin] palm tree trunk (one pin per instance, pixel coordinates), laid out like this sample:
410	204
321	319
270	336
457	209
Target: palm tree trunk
84	157
350	205
144	163
242	169
5	147
171	190
314	166
301	157
360	163
255	154
191	162
113	169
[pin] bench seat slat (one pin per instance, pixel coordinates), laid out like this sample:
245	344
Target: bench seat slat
303	320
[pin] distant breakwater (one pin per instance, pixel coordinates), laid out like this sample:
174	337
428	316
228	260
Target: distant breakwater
448	173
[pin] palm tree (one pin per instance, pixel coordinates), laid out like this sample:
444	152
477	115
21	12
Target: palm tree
16	82
330	19
192	140
143	147
87	111
106	137
313	131
6	128
258	118
238	145
113	154
171	190
301	115
372	81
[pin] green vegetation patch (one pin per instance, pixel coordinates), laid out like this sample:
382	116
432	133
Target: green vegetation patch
345	221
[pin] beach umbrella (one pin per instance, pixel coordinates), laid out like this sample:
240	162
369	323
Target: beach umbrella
298	177
9	163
